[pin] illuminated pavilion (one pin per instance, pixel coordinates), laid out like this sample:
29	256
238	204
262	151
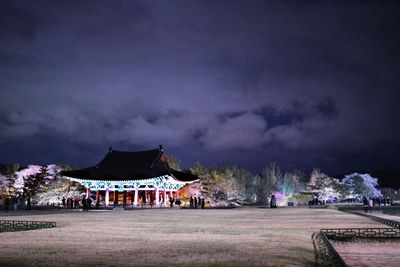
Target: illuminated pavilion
131	178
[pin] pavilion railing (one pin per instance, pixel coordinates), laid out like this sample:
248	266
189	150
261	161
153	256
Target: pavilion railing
13	226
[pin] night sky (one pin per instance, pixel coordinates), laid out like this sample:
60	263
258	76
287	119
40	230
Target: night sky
301	83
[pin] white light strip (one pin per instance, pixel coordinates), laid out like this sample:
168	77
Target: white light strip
165	182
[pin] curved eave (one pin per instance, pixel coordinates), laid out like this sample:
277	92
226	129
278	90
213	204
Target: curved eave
184	177
186	182
117	181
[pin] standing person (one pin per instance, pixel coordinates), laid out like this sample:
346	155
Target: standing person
370	204
195	203
151	200
191	202
273	202
84	203
202	203
77	202
365	204
89	203
28	204
63	202
143	201
6	204
178	202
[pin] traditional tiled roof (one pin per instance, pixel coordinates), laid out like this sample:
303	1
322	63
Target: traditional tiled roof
121	165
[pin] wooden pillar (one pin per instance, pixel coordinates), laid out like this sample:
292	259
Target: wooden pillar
107	196
157	196
87	193
97	198
132	196
165	197
115	198
135	202
170	194
124	201
177	194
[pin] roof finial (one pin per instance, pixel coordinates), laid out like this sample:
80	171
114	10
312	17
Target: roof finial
161	148
110	149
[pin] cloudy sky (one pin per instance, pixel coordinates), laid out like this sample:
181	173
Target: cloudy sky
301	83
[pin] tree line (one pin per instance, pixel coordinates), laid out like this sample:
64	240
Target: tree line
229	184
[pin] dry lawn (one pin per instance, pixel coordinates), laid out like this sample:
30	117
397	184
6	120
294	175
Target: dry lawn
174	237
370	253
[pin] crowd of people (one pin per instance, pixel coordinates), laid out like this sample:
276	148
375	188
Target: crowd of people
77	203
11	203
87	203
196	202
370	202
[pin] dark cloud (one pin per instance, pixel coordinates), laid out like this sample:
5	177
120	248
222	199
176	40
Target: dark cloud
303	84
17	22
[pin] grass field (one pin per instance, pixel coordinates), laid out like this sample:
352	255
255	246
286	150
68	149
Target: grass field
174	237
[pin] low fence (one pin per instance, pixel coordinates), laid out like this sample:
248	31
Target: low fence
13	226
389	222
325	253
349	233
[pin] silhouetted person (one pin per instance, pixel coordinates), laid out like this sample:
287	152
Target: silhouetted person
365	204
370	204
89	203
195	203
71	203
316	201
203	203
28	204
151	201
191	202
84	203
178	202
273	202
143	202
77	203
6	204
97	202
63	202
